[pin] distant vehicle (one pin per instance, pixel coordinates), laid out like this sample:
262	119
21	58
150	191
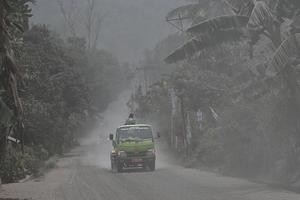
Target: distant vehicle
133	147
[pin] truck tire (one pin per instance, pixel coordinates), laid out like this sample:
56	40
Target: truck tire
119	167
152	165
114	168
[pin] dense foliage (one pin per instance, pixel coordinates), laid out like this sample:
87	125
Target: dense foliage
64	88
235	107
13	22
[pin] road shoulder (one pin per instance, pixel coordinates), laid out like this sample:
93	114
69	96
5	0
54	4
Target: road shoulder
43	187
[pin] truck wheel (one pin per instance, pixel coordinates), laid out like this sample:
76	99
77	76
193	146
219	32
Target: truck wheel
114	168
119	167
152	166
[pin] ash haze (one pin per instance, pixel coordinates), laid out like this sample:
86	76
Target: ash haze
129	28
106	100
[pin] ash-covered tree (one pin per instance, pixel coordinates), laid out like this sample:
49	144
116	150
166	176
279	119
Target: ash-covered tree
55	95
243	61
13	22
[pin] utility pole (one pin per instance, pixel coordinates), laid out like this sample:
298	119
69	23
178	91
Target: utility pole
184	128
145	74
145	79
173	113
2	32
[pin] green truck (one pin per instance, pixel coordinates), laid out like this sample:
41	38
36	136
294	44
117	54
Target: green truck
133	146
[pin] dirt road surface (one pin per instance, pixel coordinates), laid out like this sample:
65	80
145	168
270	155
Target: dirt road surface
84	174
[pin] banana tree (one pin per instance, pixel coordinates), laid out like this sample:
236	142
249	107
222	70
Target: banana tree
260	20
251	19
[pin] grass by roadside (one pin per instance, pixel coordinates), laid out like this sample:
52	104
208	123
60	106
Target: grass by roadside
20	167
56	172
293	186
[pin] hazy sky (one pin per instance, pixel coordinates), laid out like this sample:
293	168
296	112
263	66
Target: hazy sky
129	28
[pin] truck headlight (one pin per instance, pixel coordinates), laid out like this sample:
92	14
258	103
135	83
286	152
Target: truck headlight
151	152
122	154
113	153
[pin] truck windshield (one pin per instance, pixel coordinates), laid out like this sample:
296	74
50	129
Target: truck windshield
139	132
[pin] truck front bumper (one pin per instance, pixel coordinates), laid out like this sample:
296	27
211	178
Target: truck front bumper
136	161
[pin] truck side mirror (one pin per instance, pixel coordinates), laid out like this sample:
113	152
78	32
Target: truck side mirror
111	137
158	134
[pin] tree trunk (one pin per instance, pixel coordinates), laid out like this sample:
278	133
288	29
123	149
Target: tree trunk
276	35
2	52
2	34
291	80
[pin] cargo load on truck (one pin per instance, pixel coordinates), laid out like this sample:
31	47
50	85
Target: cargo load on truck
130	120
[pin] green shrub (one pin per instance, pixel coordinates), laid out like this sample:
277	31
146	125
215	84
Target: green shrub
210	151
16	165
51	163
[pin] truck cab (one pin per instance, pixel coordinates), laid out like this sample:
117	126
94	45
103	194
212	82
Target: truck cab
133	146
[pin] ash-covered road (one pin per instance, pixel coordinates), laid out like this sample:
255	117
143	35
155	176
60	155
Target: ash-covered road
91	179
84	174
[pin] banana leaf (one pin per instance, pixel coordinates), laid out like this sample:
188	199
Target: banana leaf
261	16
219	23
204	41
287	8
241	7
288	49
295	25
189	11
183	16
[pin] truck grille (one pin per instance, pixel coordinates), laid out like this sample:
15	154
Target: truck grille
136	154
